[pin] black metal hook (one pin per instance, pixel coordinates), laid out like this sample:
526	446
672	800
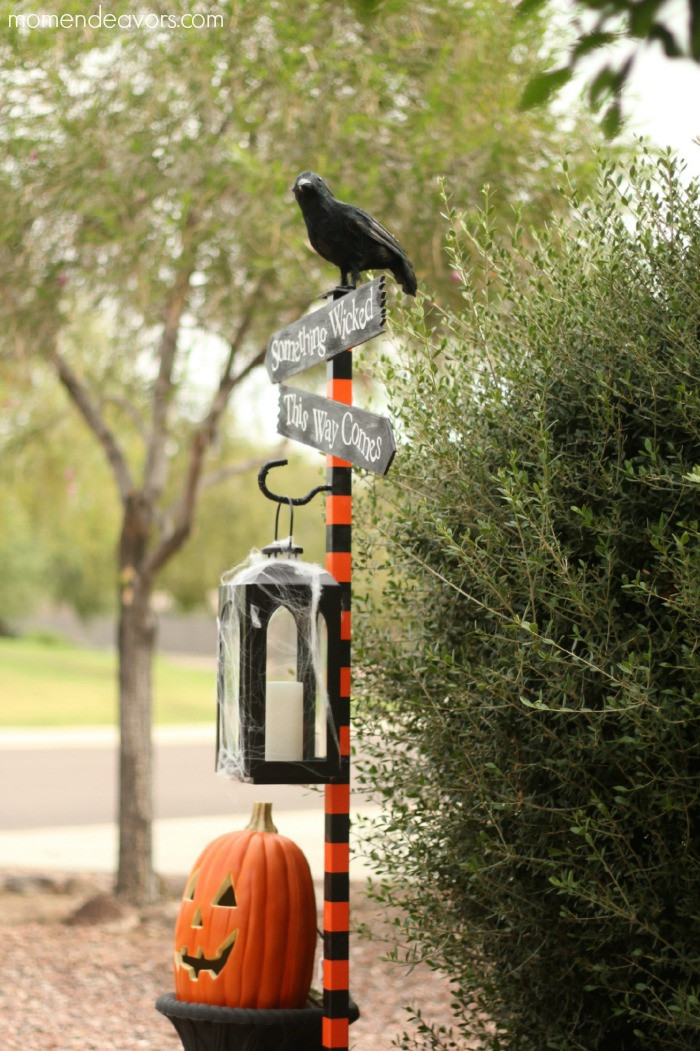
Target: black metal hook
291	501
296	501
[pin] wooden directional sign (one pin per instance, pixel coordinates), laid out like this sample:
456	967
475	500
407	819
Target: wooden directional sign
320	335
352	434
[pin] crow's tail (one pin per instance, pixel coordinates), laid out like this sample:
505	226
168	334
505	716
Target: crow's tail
403	272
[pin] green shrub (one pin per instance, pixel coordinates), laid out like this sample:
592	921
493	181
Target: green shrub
534	662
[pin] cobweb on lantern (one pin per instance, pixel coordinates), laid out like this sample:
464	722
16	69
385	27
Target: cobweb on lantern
297	714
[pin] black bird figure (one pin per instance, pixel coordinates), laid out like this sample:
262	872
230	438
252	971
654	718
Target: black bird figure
349	237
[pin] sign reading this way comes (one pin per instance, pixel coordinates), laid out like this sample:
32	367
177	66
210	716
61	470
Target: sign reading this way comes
324	333
363	438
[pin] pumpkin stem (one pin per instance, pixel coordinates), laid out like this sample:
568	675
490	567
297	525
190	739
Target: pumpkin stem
261	819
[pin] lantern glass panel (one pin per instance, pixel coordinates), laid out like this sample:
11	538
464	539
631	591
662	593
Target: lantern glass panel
284	693
321	720
229	672
282	646
279	674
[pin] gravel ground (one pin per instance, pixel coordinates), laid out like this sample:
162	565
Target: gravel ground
91	986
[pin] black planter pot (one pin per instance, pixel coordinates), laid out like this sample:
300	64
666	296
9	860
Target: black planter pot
204	1028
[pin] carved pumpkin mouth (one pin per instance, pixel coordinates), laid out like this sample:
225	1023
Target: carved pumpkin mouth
214	964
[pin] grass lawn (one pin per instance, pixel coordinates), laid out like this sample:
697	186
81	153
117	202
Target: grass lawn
56	684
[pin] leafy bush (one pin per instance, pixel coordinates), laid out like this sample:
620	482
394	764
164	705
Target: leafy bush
534	662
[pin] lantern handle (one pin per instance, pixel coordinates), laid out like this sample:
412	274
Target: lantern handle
291	520
296	501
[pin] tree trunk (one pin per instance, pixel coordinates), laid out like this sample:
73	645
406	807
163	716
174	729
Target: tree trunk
136	645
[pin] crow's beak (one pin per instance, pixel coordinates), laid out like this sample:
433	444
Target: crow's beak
301	184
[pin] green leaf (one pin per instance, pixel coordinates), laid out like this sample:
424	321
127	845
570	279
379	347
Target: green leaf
528	7
668	41
641	17
544	85
612	119
591	42
602	84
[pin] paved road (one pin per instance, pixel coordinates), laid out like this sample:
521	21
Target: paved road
71	780
58	802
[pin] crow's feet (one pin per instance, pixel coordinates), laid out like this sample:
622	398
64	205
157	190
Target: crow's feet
338	291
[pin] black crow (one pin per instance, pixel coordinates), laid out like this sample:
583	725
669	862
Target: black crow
349	237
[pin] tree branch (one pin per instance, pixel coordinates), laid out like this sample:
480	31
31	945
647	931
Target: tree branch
156	468
130	410
241	333
251	364
222	474
201	441
155	471
90	412
232	469
203	438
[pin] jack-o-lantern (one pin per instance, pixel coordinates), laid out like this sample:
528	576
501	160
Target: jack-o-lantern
245	934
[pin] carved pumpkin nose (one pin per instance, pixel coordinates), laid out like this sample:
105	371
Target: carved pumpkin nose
197	918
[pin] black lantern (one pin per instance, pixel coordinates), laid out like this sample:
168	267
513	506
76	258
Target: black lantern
279	672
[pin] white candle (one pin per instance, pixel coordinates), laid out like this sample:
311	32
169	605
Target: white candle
284	722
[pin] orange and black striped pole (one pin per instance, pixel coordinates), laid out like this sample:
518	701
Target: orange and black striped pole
336	905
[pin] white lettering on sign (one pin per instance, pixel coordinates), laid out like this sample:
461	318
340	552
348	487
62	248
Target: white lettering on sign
297	416
307	342
345	320
324	333
353	436
325	429
333	427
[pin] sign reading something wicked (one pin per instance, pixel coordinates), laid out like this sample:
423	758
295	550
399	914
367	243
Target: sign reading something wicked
324	333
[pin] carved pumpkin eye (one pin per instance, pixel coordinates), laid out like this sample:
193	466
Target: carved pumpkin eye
225	898
191	887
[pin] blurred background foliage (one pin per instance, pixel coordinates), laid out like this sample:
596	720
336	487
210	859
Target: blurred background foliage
129	157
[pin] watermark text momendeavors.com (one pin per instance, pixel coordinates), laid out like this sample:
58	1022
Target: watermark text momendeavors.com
101	19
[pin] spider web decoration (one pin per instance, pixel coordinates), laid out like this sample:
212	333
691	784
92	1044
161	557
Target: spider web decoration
285	625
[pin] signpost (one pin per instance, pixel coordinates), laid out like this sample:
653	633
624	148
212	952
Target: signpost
336	879
323	334
348	435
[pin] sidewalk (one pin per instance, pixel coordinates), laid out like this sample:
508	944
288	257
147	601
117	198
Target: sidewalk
177	841
13	738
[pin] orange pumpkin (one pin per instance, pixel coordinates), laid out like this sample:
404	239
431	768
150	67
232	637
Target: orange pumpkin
245	934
